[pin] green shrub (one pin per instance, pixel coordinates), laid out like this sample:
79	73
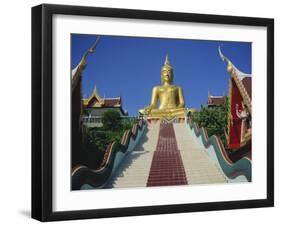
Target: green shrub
213	119
112	130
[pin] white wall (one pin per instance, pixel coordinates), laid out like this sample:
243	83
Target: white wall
15	92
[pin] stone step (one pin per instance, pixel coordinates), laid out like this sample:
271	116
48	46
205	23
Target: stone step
134	170
199	167
196	165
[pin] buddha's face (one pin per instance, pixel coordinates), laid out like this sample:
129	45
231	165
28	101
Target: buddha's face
167	76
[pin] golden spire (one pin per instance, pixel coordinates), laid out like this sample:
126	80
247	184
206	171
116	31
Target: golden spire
167	59
95	92
167	65
94	95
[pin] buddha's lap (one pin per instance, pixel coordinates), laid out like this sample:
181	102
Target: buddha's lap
168	110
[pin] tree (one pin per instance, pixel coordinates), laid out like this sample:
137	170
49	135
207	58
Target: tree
111	120
213	119
96	140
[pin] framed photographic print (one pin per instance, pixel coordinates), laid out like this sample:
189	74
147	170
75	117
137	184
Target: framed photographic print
146	112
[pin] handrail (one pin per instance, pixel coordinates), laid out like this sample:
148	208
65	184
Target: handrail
98	177
242	167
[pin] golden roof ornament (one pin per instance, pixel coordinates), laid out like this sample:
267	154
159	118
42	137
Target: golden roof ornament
224	58
77	71
83	62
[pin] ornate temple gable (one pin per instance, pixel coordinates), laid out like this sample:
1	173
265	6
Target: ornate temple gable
240	106
242	80
244	85
94	100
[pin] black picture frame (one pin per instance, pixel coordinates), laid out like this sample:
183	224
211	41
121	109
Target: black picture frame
42	107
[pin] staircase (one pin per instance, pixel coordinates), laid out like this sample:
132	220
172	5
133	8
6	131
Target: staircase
167	154
199	167
134	170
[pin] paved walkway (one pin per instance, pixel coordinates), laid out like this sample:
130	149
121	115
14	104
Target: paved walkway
166	168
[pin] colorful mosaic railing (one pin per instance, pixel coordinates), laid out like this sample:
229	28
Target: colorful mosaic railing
97	178
242	167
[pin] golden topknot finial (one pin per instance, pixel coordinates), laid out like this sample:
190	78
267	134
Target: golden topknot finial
167	64
167	59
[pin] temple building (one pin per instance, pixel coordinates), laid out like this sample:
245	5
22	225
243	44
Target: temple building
95	106
240	109
214	101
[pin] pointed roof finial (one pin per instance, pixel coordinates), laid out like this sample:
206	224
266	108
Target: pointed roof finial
83	62
95	89
95	93
224	58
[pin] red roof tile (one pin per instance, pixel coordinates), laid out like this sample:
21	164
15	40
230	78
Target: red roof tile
110	102
215	100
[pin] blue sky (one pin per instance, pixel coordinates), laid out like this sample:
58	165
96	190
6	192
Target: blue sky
130	67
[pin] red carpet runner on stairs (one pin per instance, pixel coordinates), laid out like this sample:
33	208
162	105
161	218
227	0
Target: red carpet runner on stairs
166	167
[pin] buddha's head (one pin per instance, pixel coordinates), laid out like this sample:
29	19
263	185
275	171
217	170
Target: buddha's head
167	74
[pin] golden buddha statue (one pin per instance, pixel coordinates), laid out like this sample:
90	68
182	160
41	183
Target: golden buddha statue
170	97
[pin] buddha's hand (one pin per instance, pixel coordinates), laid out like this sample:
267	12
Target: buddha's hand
148	109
